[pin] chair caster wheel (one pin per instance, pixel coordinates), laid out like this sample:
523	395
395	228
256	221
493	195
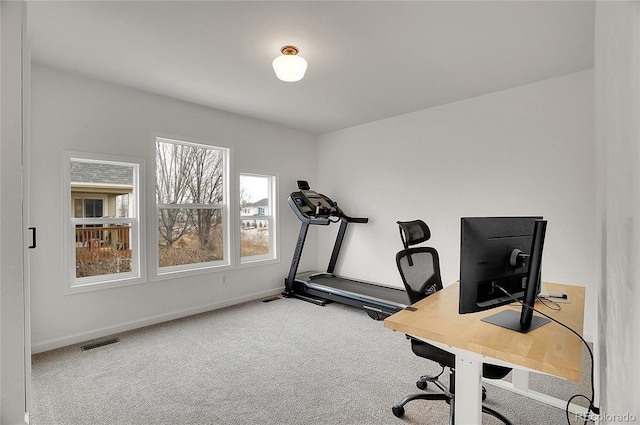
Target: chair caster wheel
422	385
398	411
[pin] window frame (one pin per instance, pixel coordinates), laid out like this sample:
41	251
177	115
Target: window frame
274	250
185	270
137	275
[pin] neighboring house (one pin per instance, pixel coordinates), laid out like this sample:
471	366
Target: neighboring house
251	213
100	190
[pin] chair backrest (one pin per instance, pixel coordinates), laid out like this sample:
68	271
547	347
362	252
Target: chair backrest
420	271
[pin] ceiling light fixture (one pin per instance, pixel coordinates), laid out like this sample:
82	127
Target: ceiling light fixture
289	67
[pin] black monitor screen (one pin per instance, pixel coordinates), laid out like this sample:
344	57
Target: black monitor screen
493	251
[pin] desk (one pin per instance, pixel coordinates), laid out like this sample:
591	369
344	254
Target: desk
551	349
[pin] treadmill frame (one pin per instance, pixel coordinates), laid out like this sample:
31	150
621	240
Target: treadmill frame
302	286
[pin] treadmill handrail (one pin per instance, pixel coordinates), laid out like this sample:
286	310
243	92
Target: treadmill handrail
362	220
347	218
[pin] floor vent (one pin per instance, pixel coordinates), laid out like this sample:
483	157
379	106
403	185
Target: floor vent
270	299
100	344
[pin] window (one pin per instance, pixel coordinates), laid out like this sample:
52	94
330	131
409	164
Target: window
85	208
102	235
191	204
257	223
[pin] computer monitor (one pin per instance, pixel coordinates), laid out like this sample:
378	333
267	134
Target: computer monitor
501	252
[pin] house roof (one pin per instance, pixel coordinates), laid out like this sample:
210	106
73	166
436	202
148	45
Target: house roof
100	173
261	203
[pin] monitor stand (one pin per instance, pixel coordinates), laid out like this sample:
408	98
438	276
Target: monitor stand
510	319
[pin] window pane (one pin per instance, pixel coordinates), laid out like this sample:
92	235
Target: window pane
93	208
189	174
189	236
103	249
254	237
78	210
256	217
254	195
122	206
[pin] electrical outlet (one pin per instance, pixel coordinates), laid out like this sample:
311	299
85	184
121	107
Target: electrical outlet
225	280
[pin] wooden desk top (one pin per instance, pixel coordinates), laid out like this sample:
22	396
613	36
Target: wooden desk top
550	349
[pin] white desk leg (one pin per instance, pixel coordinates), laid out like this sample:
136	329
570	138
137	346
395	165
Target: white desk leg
520	379
468	397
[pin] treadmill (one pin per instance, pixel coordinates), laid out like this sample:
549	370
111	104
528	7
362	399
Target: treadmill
312	208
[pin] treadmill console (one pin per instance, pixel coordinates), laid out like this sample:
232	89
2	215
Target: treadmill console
313	204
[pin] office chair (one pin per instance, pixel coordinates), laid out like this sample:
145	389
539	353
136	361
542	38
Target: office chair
419	268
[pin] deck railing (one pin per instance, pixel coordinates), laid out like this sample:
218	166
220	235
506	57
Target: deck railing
95	243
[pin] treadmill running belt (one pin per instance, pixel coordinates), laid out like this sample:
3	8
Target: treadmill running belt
363	289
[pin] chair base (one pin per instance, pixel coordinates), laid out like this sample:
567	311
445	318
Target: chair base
446	395
398	409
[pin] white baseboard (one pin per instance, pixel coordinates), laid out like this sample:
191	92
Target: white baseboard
52	344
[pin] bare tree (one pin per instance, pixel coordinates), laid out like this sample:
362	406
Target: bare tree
244	196
205	186
174	169
124	205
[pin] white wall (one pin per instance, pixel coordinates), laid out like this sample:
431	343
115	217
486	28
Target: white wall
74	113
617	78
525	151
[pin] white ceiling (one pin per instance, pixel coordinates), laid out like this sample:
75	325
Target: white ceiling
368	60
